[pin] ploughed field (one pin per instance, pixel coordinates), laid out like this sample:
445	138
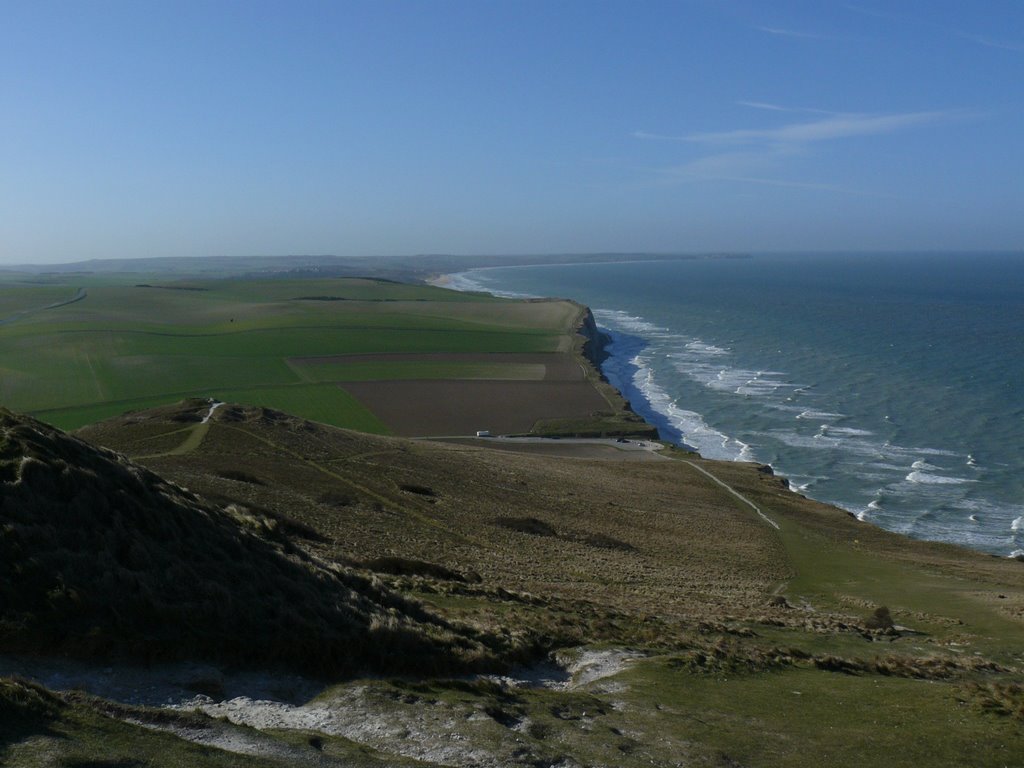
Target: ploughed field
367	354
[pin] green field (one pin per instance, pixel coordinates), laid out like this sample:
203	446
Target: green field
125	346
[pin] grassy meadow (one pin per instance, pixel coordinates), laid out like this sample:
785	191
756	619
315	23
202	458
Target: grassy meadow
126	346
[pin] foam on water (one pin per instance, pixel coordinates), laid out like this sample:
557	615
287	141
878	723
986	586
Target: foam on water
703	348
818	415
928	479
846	431
708	364
628	368
623	321
802	483
690	424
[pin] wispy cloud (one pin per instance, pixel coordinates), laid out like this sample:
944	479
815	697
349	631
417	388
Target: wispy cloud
990	43
778	108
924	22
839	126
724	165
780	32
888	15
647	135
763	105
765	156
738	169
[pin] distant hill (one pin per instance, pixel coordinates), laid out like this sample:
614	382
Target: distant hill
410	267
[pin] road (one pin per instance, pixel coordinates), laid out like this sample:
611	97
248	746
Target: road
498	441
79	295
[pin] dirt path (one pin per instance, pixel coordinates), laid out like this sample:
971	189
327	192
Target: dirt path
196	434
606	448
735	493
244	741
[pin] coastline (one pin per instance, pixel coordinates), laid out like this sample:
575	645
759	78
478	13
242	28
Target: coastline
596	350
623	351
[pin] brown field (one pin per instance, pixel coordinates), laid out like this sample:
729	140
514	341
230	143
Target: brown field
417	408
495	402
558	366
561	449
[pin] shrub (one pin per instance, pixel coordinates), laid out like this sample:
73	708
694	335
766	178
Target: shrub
529	525
404	566
880	619
420	490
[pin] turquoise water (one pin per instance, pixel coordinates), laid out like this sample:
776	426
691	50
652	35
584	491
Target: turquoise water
889	385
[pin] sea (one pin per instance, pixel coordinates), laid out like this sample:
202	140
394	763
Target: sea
890	385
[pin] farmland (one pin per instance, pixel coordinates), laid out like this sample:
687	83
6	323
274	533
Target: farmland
342	351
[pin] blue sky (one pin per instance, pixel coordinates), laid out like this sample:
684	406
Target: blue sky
134	129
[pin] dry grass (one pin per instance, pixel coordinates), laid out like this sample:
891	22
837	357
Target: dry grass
639	538
999	698
543	553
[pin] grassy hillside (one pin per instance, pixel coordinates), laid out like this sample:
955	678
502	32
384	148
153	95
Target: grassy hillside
568	528
102	559
688	627
745	644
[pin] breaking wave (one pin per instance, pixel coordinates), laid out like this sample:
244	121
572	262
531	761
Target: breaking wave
850	414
